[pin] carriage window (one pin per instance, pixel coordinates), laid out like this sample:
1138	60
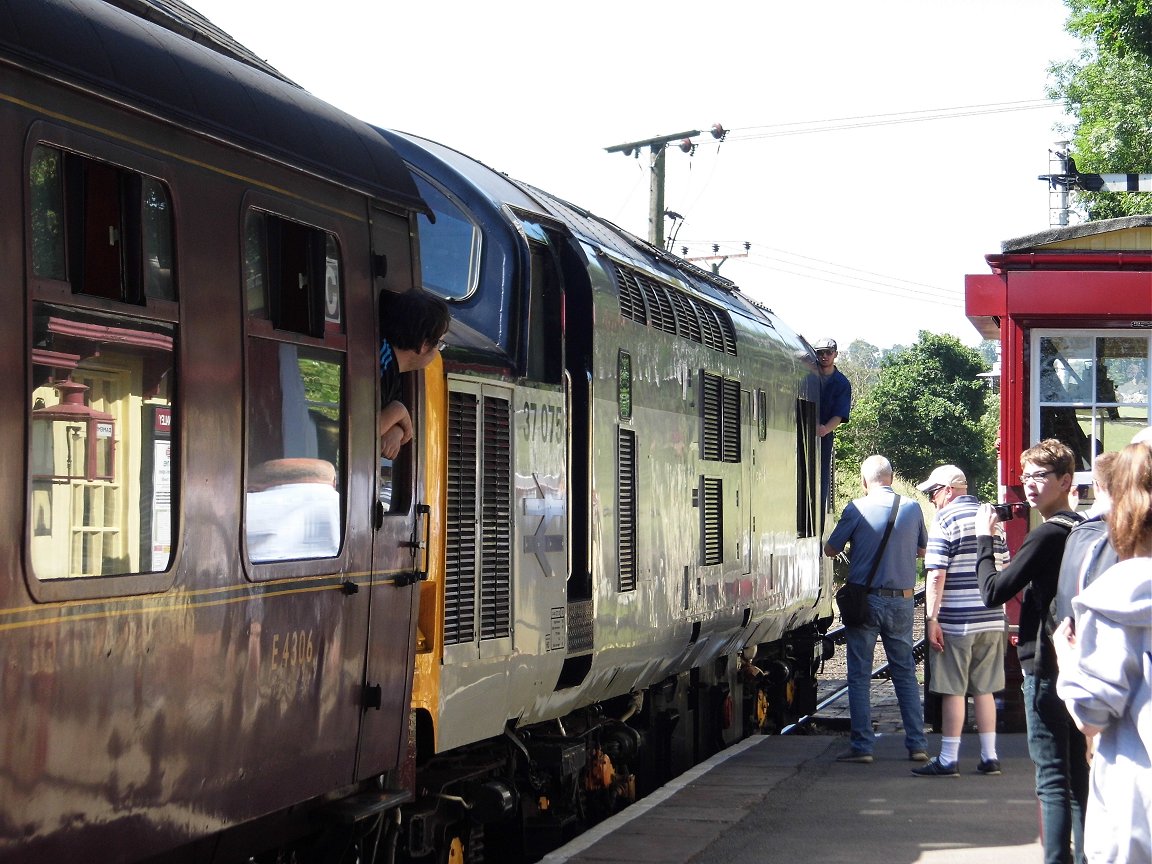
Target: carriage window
100	448
1090	390
295	408
449	247
105	230
292	275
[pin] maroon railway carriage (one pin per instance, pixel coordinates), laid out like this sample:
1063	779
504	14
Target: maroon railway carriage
191	251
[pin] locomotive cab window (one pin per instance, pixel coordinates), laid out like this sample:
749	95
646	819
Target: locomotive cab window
449	247
294	501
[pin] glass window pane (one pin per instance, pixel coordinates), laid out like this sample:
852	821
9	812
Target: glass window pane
255	263
295	435
47	200
1065	364
157	241
100	452
449	247
1123	364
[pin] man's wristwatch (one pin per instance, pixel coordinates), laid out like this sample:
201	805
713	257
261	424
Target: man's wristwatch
929	617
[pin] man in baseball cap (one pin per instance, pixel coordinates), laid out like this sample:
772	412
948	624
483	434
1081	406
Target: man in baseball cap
835	405
967	638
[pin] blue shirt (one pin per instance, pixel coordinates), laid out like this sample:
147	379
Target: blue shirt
389	374
835	396
952	548
862	524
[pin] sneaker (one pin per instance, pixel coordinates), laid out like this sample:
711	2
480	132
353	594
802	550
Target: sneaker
989	767
858	756
935	768
917	756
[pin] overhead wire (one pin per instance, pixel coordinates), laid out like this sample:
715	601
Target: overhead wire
863	121
884	284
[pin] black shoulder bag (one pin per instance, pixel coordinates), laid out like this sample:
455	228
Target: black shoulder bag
852	598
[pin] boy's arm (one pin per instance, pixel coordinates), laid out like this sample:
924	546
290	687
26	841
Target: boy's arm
395	428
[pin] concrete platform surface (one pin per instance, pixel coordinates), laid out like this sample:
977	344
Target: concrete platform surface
786	799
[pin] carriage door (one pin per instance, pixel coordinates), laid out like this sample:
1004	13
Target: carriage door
393	592
747	456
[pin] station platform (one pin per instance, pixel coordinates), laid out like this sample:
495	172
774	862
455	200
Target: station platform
772	798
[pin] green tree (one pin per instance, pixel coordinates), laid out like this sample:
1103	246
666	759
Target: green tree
1116	26
928	407
1108	90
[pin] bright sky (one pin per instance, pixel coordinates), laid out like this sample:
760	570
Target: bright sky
863	213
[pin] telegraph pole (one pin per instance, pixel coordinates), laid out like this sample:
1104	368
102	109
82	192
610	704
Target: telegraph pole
657	147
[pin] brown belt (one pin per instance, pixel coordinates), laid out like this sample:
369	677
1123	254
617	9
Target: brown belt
892	592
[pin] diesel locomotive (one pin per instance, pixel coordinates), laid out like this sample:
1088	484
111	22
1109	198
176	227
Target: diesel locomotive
229	630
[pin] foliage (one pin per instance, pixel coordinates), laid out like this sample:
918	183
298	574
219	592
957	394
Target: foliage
1108	89
926	408
989	350
1119	27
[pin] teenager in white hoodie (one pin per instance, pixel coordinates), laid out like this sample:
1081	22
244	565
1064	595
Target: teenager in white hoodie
1106	672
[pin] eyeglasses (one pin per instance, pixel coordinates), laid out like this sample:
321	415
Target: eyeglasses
825	353
933	492
1036	476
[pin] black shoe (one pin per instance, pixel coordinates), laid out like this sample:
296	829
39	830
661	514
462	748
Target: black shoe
858	756
935	768
989	767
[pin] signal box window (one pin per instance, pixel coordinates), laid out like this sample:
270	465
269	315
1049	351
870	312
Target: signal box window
295	413
100	449
105	230
1091	390
449	247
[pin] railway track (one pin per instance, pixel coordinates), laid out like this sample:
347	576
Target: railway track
835	673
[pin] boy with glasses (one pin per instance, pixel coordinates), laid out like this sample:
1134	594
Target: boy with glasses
1056	746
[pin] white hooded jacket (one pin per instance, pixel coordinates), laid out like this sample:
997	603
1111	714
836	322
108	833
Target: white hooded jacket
1111	687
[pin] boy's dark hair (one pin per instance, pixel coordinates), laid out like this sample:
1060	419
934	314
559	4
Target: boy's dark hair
1053	454
413	319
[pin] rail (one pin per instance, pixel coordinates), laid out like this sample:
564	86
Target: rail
837	636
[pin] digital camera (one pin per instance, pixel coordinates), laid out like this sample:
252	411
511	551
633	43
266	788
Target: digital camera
1004	512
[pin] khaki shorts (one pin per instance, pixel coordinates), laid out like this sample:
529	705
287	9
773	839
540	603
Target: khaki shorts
971	665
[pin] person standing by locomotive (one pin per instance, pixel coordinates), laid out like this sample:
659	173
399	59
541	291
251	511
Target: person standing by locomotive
1056	746
835	406
966	637
890	605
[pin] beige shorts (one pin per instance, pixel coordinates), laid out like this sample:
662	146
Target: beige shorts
971	665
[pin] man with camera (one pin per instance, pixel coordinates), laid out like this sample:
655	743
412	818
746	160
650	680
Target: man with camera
1055	744
966	637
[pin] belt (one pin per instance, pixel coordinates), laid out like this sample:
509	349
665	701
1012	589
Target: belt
892	592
